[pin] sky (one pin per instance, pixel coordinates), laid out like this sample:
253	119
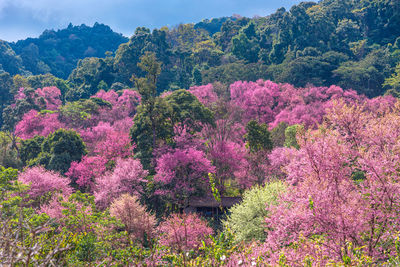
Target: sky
20	19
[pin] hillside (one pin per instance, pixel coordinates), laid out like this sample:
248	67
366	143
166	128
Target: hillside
353	44
265	141
350	43
57	52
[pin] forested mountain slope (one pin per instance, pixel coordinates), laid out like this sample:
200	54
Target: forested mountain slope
100	168
350	43
353	44
57	52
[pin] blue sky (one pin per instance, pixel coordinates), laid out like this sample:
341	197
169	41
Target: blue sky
20	19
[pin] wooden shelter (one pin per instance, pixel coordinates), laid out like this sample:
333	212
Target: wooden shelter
209	207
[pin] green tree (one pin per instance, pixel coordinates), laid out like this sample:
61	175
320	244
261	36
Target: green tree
197	78
77	113
187	111
245	44
129	55
59	149
9	151
150	121
246	219
157	117
9	61
290	136
278	134
90	75
6	86
258	136
367	75
393	83
147	87
151	129
12	114
30	148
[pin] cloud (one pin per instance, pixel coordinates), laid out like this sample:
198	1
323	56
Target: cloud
20	18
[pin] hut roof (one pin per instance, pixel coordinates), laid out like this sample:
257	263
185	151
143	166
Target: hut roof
209	201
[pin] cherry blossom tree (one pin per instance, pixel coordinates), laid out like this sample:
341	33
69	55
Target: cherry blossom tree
183	173
205	94
34	123
139	223
183	232
346	183
123	104
109	141
50	95
85	172
259	100
43	184
127	177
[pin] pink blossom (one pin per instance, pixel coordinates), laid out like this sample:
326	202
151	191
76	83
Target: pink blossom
34	123
346	185
85	172
205	94
42	182
127	177
123	106
51	96
183	232
183	172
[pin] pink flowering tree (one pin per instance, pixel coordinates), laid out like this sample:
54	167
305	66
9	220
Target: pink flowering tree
44	98
182	173
183	232
258	100
128	177
278	159
34	123
229	159
346	188
115	145
308	106
138	222
226	150
53	208
273	103
84	173
123	104
205	94
44	184
109	141
50	96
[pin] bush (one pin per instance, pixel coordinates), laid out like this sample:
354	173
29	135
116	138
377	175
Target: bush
246	219
139	224
183	232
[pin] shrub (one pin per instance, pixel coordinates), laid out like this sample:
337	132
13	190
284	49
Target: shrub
43	183
247	219
183	232
139	223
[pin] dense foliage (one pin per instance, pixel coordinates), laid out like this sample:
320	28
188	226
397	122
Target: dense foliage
247	219
58	52
353	44
94	172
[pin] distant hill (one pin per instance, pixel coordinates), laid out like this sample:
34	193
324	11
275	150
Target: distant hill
58	52
9	61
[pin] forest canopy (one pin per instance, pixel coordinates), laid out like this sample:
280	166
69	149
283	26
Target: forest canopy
234	141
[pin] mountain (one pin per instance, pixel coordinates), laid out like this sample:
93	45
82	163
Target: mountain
57	52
